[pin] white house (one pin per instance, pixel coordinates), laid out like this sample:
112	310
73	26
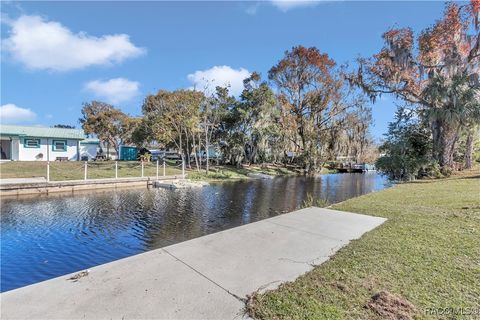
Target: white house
44	144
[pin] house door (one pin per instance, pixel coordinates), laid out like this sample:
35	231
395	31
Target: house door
5	149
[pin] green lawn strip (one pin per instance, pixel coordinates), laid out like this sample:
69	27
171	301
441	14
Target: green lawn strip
231	172
74	170
427	252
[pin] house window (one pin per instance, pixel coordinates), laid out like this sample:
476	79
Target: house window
59	145
32	143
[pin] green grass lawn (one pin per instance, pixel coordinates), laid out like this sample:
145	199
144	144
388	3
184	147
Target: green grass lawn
428	252
74	170
231	172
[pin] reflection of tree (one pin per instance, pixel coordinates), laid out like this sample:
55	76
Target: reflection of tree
77	231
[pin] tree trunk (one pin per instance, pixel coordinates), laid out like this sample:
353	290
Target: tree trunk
444	137
469	150
200	157
206	148
188	149
195	152
436	140
447	146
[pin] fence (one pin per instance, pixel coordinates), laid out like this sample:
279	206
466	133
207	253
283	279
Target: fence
75	170
102	170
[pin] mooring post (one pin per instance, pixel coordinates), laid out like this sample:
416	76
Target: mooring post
116	169
157	169
85	171
142	168
164	167
48	171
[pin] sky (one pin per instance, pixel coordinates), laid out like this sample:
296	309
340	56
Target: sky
57	55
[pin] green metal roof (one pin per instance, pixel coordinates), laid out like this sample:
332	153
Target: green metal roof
41	132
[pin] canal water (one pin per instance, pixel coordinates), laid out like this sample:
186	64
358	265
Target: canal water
48	236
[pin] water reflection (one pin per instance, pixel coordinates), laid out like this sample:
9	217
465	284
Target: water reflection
46	237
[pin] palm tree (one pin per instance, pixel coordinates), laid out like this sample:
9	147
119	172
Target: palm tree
454	106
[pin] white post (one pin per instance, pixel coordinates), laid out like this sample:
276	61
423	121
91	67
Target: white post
157	169
164	167
183	168
85	171
142	169
116	169
48	171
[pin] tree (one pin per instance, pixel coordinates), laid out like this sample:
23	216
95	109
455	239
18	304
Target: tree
109	124
439	76
174	117
407	148
316	94
259	112
309	90
213	111
230	131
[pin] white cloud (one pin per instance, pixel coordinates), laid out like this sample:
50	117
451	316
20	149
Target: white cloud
10	113
252	9
219	76
48	45
285	5
114	90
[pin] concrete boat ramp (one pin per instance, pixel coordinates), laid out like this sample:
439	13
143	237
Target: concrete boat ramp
204	278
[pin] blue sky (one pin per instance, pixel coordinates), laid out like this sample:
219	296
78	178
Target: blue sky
56	55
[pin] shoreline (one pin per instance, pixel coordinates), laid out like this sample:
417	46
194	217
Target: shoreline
427	228
24	187
71	186
207	277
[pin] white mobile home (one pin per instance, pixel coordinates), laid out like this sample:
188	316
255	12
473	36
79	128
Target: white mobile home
39	144
89	149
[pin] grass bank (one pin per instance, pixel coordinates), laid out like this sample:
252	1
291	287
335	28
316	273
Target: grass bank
74	170
231	172
424	258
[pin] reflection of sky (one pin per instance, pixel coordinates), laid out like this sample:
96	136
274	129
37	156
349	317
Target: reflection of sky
49	236
249	196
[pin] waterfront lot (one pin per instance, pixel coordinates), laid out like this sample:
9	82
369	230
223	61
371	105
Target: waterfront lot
74	170
427	252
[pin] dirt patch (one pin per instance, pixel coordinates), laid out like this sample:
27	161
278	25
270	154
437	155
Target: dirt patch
392	307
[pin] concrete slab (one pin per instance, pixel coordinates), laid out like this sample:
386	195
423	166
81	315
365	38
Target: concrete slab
153	285
333	224
259	255
204	278
23	180
265	254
